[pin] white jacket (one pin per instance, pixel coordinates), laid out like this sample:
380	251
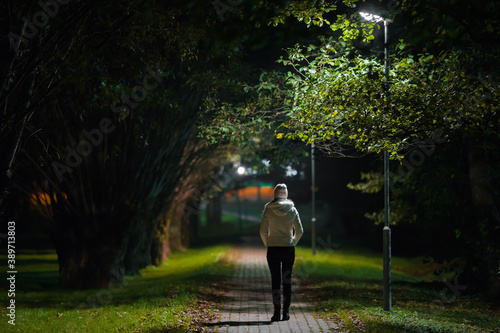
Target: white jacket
279	221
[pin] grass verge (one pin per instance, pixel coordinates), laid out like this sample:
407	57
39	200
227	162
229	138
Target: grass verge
346	286
178	296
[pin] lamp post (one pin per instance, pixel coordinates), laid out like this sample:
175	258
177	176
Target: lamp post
387	230
313	199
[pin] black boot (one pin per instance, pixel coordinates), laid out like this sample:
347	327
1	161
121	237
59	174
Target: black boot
276	316
286	306
286	314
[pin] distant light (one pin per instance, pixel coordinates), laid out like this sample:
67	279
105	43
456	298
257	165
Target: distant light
290	172
241	170
371	17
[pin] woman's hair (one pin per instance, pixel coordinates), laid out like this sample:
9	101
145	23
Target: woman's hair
280	192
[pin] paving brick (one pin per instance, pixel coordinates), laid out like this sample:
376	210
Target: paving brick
248	307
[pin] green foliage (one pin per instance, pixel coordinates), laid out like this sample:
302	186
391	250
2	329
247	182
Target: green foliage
246	115
239	111
373	183
340	18
311	12
336	94
344	98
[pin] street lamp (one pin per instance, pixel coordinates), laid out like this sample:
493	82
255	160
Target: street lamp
387	230
371	17
240	171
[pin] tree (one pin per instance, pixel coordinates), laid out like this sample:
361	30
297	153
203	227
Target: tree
341	96
115	110
198	182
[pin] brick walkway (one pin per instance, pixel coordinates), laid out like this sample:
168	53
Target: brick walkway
249	308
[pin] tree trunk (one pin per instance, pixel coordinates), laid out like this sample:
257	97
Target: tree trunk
168	234
175	229
487	217
87	256
160	247
214	211
136	251
191	222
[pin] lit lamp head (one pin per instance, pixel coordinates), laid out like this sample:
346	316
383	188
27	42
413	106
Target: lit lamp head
241	170
371	17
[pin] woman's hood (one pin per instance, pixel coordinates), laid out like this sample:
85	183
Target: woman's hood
280	207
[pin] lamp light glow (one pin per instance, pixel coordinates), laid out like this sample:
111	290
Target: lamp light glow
371	17
241	170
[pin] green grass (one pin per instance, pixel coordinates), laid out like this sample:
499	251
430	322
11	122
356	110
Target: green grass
346	285
164	298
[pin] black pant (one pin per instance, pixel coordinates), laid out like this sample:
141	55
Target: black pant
280	261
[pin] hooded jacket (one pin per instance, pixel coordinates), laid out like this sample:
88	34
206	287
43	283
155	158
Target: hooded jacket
279	221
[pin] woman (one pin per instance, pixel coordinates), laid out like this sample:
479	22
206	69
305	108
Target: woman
279	221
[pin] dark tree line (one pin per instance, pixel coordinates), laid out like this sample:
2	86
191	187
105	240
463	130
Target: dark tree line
100	107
